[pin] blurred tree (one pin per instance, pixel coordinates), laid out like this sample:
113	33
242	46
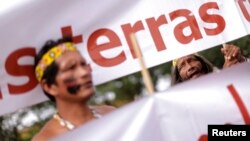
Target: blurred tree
8	132
13	127
125	89
132	87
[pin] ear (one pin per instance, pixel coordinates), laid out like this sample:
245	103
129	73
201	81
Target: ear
51	89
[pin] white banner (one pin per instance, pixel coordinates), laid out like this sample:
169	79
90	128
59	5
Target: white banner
244	11
165	30
181	113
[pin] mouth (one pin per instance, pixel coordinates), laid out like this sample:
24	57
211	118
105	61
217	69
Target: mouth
194	74
88	84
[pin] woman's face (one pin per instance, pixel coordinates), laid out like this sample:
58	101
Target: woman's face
74	78
189	67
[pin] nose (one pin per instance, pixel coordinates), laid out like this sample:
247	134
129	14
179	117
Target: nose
189	68
83	71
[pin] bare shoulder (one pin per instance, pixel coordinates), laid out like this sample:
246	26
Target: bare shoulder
103	109
49	130
40	136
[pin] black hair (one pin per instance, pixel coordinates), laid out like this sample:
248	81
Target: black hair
51	71
207	67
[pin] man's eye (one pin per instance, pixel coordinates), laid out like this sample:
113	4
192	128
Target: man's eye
83	64
71	67
180	67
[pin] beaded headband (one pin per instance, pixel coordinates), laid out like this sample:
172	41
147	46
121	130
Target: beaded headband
174	62
50	56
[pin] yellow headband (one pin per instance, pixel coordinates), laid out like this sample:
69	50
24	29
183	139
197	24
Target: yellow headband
174	62
50	56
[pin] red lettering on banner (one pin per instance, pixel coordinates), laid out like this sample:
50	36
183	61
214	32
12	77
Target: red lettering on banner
129	29
189	22
114	41
240	104
95	49
67	32
153	26
13	68
203	137
244	9
219	20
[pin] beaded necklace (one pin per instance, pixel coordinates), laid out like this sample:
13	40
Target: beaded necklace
70	126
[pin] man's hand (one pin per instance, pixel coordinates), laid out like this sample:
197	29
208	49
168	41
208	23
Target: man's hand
232	55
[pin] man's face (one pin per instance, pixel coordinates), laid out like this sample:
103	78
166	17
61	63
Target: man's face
189	67
73	71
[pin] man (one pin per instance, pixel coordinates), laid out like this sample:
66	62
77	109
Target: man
65	78
193	66
190	67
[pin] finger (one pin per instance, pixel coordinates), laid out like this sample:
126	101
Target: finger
227	58
226	48
222	50
231	51
230	63
235	51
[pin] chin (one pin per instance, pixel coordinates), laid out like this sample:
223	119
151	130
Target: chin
87	93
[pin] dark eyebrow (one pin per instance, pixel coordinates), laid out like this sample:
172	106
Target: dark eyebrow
179	62
179	65
68	65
